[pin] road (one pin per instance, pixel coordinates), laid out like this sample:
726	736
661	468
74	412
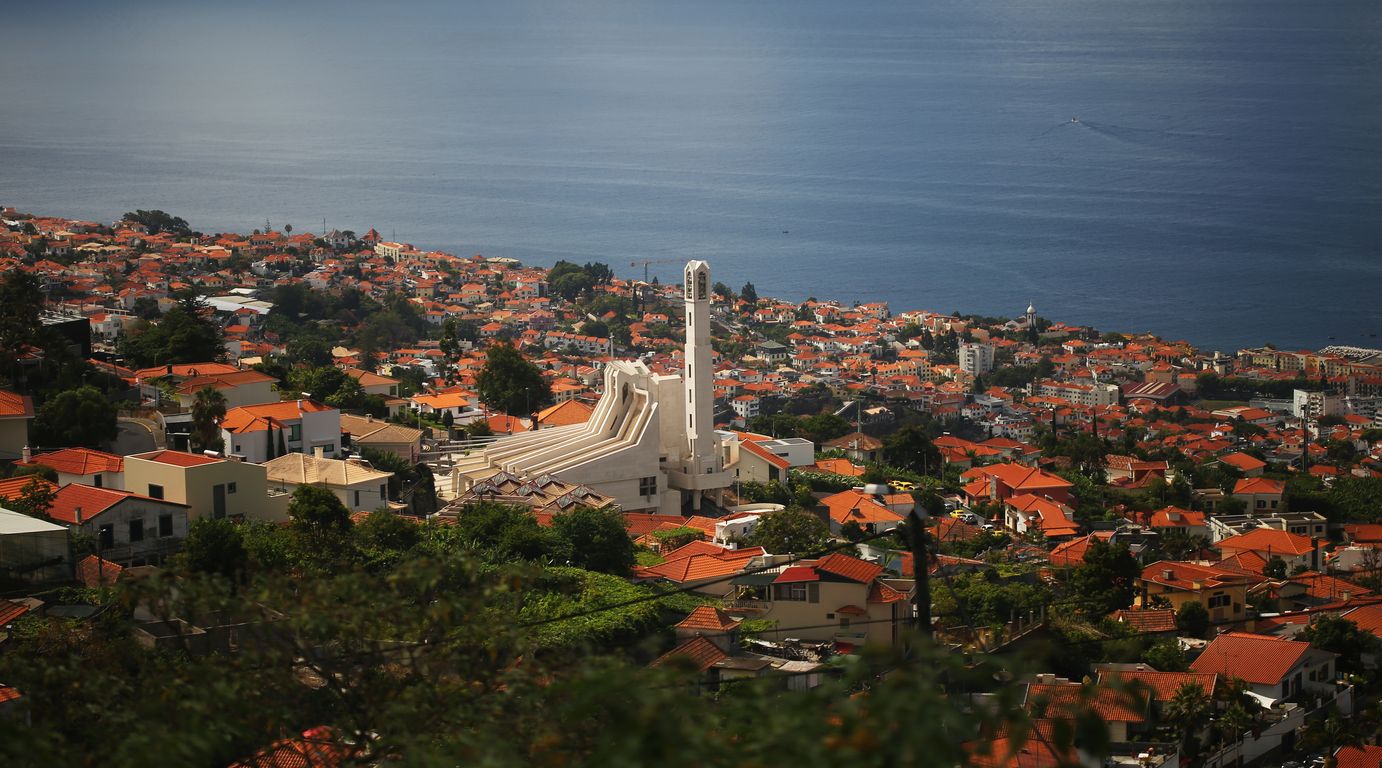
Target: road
136	436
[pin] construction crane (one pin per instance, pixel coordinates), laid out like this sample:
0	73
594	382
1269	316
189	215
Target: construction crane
646	262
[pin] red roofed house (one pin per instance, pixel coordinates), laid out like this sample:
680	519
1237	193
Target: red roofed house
1222	591
15	413
1189	521
129	529
872	513
1274	668
1250	466
1294	549
265	431
752	462
82	465
1028	513
1260	493
998	482
212	487
837	599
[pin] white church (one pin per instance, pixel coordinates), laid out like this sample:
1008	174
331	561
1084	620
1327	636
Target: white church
651	443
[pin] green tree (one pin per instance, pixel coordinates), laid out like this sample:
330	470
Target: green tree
215	547
1339	635
1192	619
310	351
77	417
208	410
22	300
316	510
1166	656
185	334
510	383
911	448
792	530
1107	579
1187	711
1275	568
749	293
596	539
158	222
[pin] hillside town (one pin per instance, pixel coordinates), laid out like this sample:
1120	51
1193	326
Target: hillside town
210	442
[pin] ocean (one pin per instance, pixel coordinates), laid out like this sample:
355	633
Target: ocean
1208	170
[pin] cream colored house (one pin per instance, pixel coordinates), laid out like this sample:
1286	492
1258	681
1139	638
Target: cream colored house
367	432
373	383
359	486
837	599
211	487
15	413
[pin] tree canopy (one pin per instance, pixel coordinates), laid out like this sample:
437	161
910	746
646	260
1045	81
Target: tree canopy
596	539
792	530
185	334
77	417
510	383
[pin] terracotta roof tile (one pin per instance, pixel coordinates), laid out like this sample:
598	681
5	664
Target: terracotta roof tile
1260	659
78	461
701	653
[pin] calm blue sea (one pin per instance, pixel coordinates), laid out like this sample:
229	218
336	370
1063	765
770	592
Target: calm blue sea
1223	182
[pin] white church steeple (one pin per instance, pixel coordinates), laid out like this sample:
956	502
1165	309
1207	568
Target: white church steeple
698	375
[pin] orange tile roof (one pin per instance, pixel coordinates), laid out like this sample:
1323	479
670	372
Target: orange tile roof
255	418
851	568
1148	620
1260	659
13	487
11	612
839	467
318	748
14	405
177	458
94	572
708	618
78	461
700	652
1184	575
1326	587
9	693
1175	517
859	507
1263	485
696	568
1242	462
1162	685
1261	540
1366	756
1068	700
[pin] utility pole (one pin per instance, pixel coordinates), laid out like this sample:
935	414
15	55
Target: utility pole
921	599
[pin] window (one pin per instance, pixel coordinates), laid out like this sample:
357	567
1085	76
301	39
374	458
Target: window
97	481
647	486
155	491
383	491
1219	601
136	530
295	432
165	526
357	498
230	487
107	536
799	592
844	623
1261	503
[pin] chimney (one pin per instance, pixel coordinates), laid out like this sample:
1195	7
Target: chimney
170	369
26	454
1168	574
77	515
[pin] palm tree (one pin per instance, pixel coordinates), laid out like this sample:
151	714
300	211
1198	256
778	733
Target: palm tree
208	409
1186	711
